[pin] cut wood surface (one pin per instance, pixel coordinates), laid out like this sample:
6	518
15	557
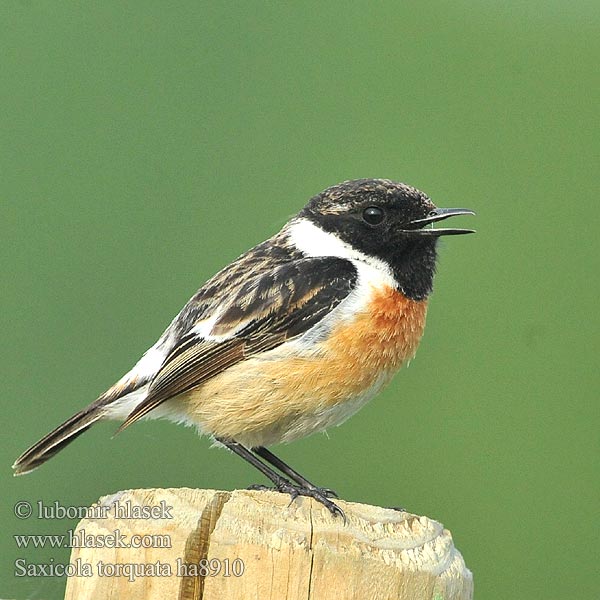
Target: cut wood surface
207	544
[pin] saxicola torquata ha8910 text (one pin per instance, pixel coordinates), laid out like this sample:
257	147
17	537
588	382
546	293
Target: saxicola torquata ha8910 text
291	338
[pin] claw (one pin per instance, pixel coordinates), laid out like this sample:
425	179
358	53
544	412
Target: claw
328	492
260	487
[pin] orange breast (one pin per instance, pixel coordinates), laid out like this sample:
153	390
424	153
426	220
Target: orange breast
358	354
378	340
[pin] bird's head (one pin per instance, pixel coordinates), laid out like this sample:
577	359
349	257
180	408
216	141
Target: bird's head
390	221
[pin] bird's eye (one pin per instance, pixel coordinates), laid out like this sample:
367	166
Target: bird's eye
373	215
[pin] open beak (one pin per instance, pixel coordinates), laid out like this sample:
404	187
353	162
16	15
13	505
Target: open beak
439	214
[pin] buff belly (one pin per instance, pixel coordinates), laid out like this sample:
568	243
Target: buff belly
295	389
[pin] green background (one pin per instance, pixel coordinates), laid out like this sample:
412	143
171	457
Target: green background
146	144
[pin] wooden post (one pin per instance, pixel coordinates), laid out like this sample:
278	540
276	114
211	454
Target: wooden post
207	544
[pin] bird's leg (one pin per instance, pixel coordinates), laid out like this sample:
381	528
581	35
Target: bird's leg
280	483
291	473
242	451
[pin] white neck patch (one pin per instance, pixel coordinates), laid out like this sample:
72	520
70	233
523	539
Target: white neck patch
313	241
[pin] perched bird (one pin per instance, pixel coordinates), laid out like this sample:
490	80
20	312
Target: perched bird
292	337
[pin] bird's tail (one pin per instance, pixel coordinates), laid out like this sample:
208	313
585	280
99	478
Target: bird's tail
57	439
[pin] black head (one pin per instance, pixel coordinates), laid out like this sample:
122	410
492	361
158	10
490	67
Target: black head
389	221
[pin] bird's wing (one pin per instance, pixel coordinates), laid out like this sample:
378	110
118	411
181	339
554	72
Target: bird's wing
267	310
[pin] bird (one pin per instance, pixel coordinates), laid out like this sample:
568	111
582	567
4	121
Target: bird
292	337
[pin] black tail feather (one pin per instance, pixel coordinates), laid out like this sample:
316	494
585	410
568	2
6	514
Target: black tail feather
57	439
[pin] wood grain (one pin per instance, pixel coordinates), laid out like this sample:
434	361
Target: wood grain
286	551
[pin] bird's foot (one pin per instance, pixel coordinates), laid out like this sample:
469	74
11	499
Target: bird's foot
321	495
327	492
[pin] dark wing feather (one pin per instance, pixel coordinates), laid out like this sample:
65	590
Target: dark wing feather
267	310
